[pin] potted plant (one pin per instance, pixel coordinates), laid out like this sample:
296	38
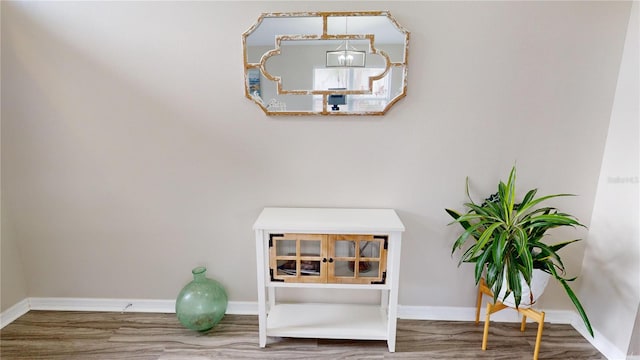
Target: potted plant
506	241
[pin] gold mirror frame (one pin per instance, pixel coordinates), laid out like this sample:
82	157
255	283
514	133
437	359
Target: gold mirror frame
257	74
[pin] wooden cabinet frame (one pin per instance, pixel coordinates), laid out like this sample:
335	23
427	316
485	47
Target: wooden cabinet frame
379	262
298	258
297	266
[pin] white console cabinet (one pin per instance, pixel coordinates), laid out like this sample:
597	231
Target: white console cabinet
328	248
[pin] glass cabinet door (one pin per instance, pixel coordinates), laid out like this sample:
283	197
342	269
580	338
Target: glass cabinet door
357	259
297	257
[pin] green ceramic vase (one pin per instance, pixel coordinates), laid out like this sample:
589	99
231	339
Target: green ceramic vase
202	303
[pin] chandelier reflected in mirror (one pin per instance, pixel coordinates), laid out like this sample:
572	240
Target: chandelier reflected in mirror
345	56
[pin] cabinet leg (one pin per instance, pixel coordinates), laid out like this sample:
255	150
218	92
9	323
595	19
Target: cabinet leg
392	345
262	326
261	255
392	318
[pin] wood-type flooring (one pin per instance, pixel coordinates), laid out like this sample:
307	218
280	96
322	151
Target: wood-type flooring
112	336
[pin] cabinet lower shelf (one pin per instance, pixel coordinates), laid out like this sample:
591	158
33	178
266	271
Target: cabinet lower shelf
329	321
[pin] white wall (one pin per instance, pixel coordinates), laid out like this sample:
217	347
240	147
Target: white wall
14	286
130	154
610	286
12	278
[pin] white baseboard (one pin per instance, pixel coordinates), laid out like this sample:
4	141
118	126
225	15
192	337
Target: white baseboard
568	317
599	341
469	314
251	308
109	305
242	308
129	305
14	312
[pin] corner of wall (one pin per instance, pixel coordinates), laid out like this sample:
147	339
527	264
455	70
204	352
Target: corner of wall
13	285
611	266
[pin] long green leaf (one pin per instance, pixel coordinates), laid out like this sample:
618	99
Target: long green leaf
486	236
554	219
511	195
548	255
467	189
528	197
526	260
473	217
534	202
558	246
468	256
486	211
465	235
521	241
495	278
499	247
575	301
480	264
454	214
513	280
502	195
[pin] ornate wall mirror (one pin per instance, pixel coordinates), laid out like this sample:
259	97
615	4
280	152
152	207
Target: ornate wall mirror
325	63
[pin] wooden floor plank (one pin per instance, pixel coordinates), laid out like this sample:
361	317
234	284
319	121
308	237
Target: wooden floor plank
145	336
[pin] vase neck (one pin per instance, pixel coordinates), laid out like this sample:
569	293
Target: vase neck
199	273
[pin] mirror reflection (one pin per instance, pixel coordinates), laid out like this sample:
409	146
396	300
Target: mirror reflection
325	63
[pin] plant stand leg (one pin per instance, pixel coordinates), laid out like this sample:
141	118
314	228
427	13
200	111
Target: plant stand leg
538	316
482	289
485	335
479	301
491	308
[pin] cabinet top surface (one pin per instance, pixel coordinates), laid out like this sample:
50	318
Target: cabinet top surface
328	220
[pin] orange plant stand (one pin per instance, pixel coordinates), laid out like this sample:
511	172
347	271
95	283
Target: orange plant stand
493	308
